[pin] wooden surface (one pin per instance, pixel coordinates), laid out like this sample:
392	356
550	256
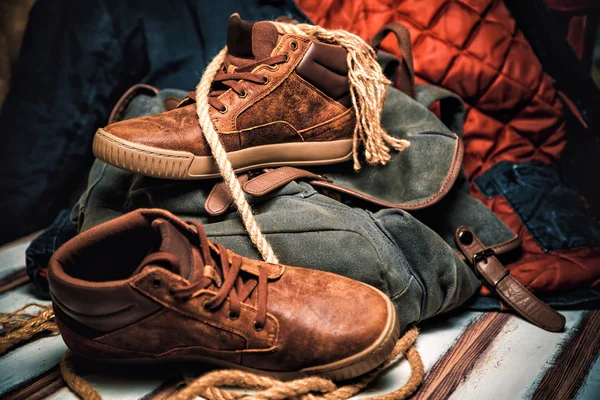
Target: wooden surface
467	355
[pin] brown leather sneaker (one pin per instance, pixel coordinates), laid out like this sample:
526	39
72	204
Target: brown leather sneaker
148	285
278	100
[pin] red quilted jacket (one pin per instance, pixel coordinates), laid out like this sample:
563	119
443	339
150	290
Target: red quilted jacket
514	113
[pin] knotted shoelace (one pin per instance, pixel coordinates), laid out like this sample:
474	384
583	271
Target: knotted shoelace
229	281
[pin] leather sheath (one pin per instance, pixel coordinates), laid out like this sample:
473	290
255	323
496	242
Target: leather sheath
499	280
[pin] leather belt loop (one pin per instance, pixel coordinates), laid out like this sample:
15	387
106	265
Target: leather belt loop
498	279
507	273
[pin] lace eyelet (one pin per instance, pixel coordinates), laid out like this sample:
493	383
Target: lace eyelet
287	57
243	95
294	46
171	292
156	283
233	316
205	306
266	80
225	110
258	327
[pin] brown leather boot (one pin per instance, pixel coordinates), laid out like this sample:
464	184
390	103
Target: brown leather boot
148	285
279	100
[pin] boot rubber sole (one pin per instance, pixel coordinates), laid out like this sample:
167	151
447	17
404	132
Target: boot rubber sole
344	369
183	165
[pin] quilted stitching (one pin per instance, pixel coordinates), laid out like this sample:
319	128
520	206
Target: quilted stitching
474	48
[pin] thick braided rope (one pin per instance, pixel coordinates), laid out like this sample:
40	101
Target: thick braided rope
20	326
208	386
368	89
368	92
76	383
310	388
316	388
225	168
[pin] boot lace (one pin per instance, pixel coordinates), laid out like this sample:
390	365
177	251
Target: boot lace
232	80
229	282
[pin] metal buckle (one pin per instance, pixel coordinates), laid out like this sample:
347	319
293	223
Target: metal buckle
483	255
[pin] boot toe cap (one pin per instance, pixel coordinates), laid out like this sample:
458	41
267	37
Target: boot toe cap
175	130
334	320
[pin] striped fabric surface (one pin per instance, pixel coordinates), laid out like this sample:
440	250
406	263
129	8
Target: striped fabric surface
467	355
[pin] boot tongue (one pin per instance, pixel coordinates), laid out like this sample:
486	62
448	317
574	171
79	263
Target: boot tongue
250	40
174	242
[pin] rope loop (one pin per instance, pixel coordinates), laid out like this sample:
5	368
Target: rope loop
210	385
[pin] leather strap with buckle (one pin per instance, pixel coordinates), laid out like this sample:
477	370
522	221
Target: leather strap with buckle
499	280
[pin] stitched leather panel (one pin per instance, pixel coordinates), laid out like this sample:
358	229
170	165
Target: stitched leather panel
104	309
160	337
295	102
